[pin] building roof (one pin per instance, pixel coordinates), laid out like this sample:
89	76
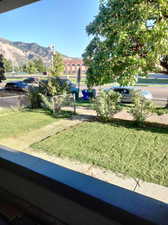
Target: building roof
6	5
73	61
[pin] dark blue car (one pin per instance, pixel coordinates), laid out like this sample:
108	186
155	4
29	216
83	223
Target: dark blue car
17	86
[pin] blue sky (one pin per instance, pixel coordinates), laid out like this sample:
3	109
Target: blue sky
61	22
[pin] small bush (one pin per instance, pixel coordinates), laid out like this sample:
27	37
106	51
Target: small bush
53	104
53	86
160	111
42	96
142	108
46	102
34	97
106	104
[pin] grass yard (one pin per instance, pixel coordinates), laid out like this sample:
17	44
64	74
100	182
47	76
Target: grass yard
122	148
152	81
73	79
14	79
14	123
85	103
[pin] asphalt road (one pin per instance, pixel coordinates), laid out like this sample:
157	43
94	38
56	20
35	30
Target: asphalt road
158	76
157	92
160	95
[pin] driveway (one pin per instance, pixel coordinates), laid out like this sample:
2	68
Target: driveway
12	99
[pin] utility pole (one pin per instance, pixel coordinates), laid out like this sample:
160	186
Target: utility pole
52	48
13	71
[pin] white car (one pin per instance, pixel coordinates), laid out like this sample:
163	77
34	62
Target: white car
127	92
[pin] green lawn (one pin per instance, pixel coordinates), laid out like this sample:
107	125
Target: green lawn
85	103
73	79
151	85
14	79
122	148
152	81
14	123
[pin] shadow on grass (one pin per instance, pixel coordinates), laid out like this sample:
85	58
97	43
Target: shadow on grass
147	126
63	114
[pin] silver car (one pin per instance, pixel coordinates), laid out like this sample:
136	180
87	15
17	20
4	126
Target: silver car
127	93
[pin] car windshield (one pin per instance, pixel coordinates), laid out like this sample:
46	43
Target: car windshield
122	90
30	80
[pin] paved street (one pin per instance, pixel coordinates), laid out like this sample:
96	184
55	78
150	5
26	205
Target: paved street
13	101
158	76
157	92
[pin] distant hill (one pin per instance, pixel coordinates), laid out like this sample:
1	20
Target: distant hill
20	52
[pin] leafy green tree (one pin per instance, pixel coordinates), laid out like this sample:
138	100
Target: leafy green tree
8	65
30	67
40	67
57	65
23	68
17	69
129	38
2	68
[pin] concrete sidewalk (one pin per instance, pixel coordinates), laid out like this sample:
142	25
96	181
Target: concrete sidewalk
148	189
23	142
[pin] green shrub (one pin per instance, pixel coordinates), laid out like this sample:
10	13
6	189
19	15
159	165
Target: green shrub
42	96
53	86
34	97
106	104
160	111
46	102
141	109
53	104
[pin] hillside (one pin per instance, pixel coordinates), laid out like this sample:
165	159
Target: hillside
20	52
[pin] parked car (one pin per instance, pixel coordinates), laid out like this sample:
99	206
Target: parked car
31	80
127	93
16	86
72	86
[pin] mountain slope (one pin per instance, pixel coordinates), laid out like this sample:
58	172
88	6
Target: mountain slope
15	55
20	52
